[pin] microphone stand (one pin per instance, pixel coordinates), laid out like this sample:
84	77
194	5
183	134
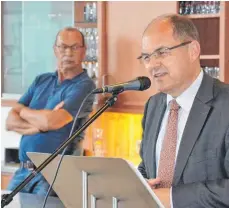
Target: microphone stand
7	198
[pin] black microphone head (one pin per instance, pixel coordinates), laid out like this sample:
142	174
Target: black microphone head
145	83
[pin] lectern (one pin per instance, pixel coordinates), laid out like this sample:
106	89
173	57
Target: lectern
93	182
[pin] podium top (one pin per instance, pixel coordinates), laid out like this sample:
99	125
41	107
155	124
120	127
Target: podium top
107	178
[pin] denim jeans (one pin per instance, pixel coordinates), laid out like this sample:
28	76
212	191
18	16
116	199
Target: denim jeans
38	185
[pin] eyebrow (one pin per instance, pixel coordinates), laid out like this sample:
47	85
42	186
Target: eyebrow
161	47
75	44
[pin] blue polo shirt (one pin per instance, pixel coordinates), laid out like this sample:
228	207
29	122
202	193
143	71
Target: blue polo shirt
45	93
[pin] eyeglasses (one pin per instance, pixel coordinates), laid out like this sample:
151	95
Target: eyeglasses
73	48
160	53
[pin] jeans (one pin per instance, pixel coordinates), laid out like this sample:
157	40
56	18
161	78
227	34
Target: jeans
38	185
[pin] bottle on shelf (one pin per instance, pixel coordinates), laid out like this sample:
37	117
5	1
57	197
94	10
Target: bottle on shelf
199	7
87	12
90	12
98	142
181	7
187	8
94	12
212	71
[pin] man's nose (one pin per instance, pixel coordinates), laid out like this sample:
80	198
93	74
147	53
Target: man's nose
68	52
153	63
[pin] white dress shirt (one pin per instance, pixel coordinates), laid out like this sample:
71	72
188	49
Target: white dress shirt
185	101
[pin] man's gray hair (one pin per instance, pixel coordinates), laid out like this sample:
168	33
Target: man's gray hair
70	29
183	28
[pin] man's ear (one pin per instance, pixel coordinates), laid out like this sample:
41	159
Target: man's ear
194	50
83	54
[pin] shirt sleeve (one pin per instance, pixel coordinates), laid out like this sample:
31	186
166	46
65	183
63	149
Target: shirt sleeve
75	96
28	95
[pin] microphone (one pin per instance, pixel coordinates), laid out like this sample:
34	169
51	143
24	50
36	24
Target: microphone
140	84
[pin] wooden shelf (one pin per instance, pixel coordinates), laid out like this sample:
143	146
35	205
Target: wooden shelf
202	16
90	60
86	24
209	56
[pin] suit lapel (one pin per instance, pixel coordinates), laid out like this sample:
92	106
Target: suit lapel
196	120
156	116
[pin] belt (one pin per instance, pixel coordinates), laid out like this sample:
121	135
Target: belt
27	165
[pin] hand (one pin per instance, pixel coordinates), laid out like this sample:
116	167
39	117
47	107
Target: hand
17	107
24	111
153	182
59	106
31	131
164	195
27	131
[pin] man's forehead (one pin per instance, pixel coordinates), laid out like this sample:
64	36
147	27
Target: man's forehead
158	35
69	37
155	42
160	26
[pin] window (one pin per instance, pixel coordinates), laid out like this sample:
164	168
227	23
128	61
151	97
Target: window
28	33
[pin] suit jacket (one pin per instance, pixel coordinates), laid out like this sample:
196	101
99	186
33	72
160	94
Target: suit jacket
201	177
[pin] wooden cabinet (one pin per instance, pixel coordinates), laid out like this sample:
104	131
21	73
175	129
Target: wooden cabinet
214	30
89	18
80	17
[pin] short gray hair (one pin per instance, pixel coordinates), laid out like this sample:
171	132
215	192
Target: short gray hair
183	28
70	29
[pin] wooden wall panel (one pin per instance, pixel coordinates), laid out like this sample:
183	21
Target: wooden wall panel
125	23
224	42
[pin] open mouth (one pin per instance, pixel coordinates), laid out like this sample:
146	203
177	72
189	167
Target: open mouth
159	74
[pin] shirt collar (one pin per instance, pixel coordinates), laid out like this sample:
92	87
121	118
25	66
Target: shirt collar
186	99
74	79
79	76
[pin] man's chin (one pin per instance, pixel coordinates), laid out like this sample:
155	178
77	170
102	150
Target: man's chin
162	88
68	67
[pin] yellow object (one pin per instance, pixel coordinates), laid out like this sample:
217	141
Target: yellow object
116	135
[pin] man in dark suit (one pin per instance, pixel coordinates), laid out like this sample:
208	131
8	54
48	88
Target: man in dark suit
185	146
